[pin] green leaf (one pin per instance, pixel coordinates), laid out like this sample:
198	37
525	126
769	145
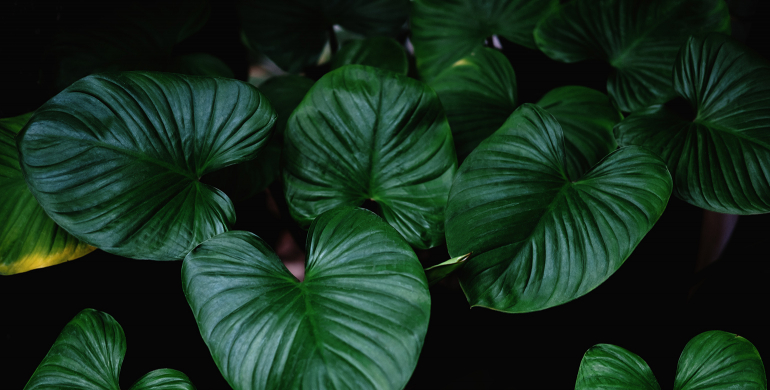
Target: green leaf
587	117
124	36
29	239
478	93
243	180
163	379
357	321
444	31
115	159
639	38
539	239
88	354
201	64
365	133
442	270
293	33
719	159
717	360
607	367
381	52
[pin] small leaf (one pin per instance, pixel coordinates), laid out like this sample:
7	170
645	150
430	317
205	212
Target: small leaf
719	158
357	321
717	360
201	64
442	270
380	52
366	133
115	158
539	239
606	367
29	239
639	38
163	379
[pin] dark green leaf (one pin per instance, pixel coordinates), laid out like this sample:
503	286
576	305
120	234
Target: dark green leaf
29	239
381	52
586	116
115	159
365	133
609	367
442	270
639	38
444	31
293	33
539	239
719	159
478	93
357	321
201	64
717	360
88	354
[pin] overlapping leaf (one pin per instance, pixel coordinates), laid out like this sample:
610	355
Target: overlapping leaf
639	38
381	52
357	321
88	354
293	33
115	159
719	159
539	239
444	31
29	239
365	133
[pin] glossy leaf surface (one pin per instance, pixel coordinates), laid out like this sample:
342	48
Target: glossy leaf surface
539	239
88	354
380	52
29	239
293	33
478	93
609	367
357	321
639	38
115	159
718	360
719	159
444	31
365	133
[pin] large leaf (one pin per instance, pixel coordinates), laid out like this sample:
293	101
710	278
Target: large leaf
243	180
444	31
115	159
717	360
478	93
609	367
29	239
365	133
719	159
357	321
293	33
88	354
539	239
639	38
380	52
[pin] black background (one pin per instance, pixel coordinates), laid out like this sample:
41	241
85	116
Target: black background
645	307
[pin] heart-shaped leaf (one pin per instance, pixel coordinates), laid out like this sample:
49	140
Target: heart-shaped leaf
717	360
606	366
639	38
29	239
539	239
243	180
357	321
88	354
366	133
381	52
293	33
444	31
115	159
719	159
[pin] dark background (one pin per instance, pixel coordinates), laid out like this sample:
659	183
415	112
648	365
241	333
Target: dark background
652	306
